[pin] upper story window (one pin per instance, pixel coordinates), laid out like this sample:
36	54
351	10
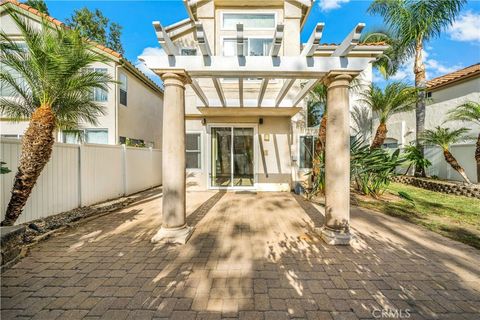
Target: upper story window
123	88
249	20
99	95
252	47
188	52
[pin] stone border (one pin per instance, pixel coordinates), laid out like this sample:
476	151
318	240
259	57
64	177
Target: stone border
16	240
459	189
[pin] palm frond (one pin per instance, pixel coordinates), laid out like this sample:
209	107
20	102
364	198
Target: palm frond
50	70
468	112
443	137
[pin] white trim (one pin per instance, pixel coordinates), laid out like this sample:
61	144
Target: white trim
202	151
209	154
241	11
300	168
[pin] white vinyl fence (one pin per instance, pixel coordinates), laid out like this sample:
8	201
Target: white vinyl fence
81	175
465	155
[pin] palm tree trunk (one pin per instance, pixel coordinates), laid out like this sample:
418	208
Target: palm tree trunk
37	147
455	165
380	136
477	158
420	83
320	145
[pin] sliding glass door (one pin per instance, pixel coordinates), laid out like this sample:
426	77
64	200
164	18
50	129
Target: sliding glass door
232	157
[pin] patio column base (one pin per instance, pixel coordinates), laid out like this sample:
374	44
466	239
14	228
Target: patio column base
335	237
173	235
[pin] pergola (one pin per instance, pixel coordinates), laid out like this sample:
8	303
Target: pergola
334	65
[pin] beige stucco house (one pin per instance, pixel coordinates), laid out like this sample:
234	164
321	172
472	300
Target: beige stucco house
444	94
251	142
133	106
236	75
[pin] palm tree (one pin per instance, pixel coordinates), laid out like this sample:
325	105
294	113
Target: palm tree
444	137
317	107
396	97
469	112
414	22
51	87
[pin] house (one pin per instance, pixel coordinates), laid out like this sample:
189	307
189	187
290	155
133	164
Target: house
133	105
235	76
247	144
444	94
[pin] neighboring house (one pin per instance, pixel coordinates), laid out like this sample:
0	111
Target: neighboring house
247	144
133	105
444	93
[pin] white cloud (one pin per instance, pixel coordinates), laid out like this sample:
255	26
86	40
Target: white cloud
150	51
466	27
433	68
327	5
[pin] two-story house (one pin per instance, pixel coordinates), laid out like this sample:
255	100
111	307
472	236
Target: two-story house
251	142
133	104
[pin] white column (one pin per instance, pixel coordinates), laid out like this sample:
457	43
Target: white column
336	230
174	228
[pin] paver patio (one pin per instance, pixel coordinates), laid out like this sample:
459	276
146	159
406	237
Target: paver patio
252	256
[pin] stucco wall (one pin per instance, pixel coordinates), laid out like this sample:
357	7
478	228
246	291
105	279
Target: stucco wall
402	126
142	117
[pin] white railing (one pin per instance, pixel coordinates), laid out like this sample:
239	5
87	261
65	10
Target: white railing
81	175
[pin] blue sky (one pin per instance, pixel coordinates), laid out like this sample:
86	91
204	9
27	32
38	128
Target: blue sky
456	48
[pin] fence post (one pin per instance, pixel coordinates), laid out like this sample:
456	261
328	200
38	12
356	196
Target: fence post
124	169
81	152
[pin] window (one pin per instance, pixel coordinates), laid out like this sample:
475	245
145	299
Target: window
429	94
72	136
99	95
390	143
193	149
307	150
123	89
252	47
99	136
249	20
188	52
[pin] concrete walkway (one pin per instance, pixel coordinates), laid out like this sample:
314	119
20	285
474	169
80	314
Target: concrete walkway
252	256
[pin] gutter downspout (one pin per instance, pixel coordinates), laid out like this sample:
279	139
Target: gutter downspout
116	104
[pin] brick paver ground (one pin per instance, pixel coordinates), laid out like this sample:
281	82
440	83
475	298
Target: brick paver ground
252	256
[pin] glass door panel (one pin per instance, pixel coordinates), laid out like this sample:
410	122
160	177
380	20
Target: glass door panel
243	157
221	170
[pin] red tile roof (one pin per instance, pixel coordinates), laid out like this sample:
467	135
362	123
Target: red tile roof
471	71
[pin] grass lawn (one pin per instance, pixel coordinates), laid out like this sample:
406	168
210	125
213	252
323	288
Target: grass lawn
456	217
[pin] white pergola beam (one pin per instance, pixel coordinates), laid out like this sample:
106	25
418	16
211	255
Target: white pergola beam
277	40
285	67
314	40
304	91
261	93
240	40
202	40
218	88
283	91
240	91
198	90
349	42
164	39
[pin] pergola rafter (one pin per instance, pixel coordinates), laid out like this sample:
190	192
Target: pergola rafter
314	63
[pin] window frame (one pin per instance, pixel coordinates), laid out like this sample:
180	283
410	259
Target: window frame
200	151
120	74
94	129
222	26
299	150
96	69
247	80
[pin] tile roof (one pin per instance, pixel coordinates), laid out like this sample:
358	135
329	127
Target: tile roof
97	45
458	75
